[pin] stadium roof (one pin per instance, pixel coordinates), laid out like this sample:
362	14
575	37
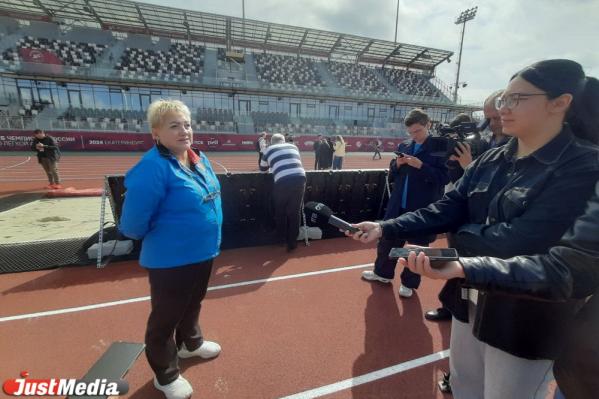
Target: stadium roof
134	17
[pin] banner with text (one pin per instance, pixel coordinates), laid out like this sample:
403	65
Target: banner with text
106	141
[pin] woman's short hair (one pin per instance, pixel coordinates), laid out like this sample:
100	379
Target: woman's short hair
159	108
277	138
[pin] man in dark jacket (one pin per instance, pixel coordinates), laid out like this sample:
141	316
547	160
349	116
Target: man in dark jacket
419	175
316	152
323	154
261	147
48	155
376	146
460	161
463	156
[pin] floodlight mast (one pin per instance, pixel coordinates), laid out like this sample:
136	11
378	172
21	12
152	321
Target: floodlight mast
465	16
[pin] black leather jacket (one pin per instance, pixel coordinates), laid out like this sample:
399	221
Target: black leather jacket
525	212
569	271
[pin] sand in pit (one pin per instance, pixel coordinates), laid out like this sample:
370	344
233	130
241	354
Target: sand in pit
52	218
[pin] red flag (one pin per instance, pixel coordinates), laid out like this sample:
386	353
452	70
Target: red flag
41	61
39	56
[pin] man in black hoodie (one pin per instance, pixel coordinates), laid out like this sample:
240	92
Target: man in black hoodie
48	155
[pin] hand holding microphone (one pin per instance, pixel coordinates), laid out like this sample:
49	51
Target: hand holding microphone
323	212
365	231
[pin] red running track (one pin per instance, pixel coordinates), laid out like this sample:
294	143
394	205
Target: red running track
279	338
20	172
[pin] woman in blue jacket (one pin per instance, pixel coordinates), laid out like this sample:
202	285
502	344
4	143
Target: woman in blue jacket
518	199
173	205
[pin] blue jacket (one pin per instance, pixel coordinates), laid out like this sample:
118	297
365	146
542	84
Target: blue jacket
425	185
176	213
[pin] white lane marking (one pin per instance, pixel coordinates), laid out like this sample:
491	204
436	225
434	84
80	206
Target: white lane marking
369	377
146	298
19	164
221	165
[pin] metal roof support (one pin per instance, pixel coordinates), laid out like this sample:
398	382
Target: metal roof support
228	33
267	36
186	25
391	54
337	43
365	49
93	12
141	17
62	6
444	59
420	54
43	7
299	48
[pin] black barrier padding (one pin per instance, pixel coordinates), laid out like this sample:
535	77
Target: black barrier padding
38	255
248	213
116	197
47	254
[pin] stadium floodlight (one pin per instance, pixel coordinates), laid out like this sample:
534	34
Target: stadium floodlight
465	16
396	21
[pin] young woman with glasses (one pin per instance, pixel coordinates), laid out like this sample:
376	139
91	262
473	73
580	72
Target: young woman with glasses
518	199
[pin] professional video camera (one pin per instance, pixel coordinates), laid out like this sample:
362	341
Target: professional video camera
465	133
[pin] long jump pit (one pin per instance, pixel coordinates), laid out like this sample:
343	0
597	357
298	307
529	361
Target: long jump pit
39	232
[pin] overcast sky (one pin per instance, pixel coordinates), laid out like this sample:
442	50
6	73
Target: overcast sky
505	36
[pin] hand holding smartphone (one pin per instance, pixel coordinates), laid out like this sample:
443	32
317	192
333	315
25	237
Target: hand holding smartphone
437	256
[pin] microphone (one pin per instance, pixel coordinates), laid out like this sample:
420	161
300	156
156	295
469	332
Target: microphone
325	213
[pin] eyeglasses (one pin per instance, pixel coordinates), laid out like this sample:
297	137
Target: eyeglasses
512	100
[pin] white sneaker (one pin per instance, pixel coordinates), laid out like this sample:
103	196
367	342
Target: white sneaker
372	276
178	389
208	350
405	291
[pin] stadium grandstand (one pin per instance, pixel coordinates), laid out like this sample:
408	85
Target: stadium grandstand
95	66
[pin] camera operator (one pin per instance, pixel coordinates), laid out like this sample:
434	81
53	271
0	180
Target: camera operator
498	138
462	155
419	176
463	150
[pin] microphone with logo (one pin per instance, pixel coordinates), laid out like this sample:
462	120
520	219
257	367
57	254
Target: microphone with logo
319	212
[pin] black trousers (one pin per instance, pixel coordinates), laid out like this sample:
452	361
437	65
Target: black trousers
176	296
288	195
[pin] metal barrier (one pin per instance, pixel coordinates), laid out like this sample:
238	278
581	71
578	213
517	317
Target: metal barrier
354	195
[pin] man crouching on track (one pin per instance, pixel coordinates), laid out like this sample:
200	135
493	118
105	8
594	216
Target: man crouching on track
173	205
